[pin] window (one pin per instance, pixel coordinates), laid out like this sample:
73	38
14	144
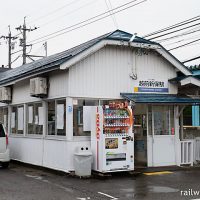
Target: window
81	110
35	116
163	120
57	117
4	117
17	120
187	116
2	133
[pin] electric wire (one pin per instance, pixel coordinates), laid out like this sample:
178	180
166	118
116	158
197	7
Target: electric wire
54	11
87	21
68	13
177	36
182	40
112	15
191	59
174	26
184	45
174	31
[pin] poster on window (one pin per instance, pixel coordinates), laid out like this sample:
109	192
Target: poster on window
41	115
13	120
36	119
60	116
87	118
20	124
30	114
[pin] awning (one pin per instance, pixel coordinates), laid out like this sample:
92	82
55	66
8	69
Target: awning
159	98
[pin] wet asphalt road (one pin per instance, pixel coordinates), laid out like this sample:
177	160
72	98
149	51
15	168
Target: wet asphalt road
26	183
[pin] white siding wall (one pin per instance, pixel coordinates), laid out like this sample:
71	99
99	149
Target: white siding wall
106	73
58	82
54	154
58	88
21	93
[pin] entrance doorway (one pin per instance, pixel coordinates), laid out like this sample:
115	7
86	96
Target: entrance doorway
140	135
161	136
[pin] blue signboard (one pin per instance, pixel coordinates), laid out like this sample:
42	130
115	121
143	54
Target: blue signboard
153	90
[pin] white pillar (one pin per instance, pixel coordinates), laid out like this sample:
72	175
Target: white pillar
181	126
45	121
177	139
25	119
69	118
9	119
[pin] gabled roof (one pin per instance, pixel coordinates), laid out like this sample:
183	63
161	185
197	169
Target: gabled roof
53	62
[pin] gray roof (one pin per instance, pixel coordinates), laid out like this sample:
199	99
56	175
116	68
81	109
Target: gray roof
46	64
53	62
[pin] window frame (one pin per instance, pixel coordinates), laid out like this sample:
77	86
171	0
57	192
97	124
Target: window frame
16	120
7	114
55	110
34	111
78	120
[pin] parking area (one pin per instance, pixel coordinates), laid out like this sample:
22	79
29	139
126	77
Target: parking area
26	183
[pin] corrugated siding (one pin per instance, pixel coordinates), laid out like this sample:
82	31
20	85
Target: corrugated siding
21	92
106	73
58	82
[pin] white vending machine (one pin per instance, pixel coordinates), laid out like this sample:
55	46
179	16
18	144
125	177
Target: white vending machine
112	139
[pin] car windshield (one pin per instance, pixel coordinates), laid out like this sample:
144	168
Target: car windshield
2	133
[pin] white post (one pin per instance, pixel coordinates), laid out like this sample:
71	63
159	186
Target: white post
9	120
25	120
45	121
181	126
177	139
69	118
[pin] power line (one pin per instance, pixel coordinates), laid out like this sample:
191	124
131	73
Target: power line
177	36
191	59
84	23
112	16
185	39
68	13
174	26
174	31
184	44
54	11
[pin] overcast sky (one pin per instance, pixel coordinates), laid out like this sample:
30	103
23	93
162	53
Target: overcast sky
51	16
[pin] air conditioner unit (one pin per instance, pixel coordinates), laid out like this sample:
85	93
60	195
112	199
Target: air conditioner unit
5	94
38	87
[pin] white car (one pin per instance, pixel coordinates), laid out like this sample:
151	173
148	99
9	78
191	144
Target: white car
4	150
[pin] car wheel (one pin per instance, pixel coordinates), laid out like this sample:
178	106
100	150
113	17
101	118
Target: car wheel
5	164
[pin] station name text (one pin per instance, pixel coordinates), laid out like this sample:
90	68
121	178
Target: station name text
152	83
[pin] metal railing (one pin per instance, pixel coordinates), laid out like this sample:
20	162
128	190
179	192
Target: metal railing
187	156
197	149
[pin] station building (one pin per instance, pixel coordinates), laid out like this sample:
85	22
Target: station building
44	102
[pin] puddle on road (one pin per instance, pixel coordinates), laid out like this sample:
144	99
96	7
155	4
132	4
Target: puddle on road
131	192
160	189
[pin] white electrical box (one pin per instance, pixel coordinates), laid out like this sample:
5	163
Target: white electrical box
38	87
5	94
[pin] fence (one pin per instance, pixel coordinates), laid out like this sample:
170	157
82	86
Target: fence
197	149
187	152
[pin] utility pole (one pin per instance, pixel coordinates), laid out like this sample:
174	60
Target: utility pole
23	44
9	38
